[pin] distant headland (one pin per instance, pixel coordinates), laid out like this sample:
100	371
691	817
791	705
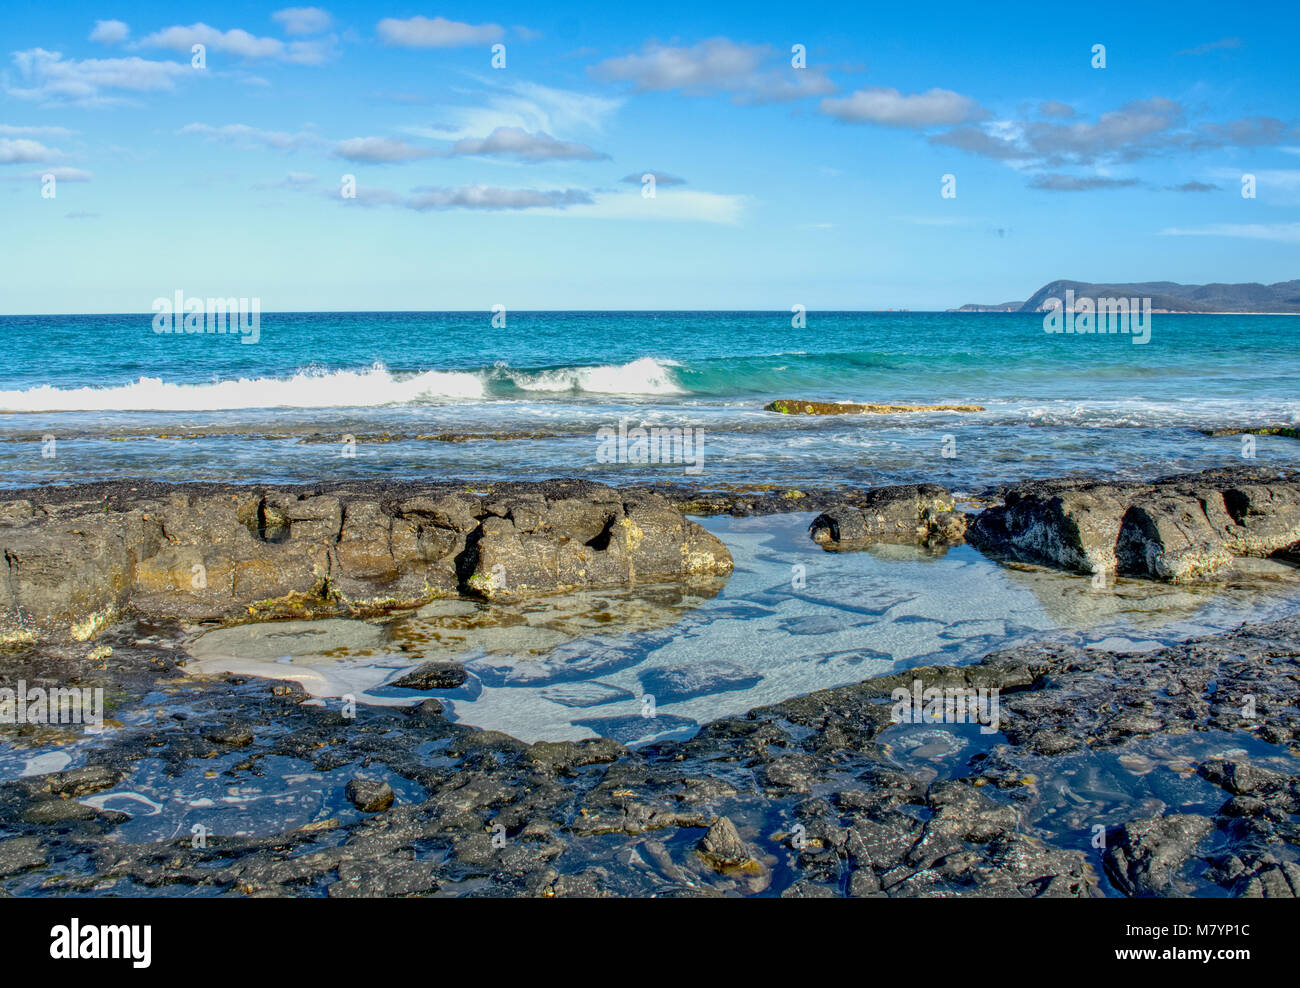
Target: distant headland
1166	296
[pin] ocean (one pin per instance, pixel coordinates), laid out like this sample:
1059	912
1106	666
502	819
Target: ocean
366	394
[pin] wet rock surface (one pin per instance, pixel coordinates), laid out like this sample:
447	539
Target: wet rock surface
1181	529
79	558
920	514
800	406
1109	773
434	675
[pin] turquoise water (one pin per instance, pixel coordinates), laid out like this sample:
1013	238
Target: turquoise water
279	409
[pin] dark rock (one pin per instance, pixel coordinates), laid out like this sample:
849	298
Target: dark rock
1144	857
920	514
235	737
1180	529
18	854
81	557
434	675
723	850
370	795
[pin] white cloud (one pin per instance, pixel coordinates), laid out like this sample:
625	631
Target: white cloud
110	32
436	32
241	43
715	65
303	20
890	108
1286	233
379	150
718	63
514	142
46	77
23	150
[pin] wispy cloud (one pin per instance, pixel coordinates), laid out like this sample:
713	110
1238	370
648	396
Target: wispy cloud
303	20
61	174
1287	233
1205	49
513	142
526	106
40	131
676	206
1139	129
661	178
242	135
487	198
291	180
1074	183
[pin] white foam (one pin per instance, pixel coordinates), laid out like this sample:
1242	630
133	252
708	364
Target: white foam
306	389
646	376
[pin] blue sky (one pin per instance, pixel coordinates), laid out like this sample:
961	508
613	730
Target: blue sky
478	185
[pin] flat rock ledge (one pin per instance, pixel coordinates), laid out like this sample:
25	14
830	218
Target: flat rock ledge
798	406
1180	529
79	558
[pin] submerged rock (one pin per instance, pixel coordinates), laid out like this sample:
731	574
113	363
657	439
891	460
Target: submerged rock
686	682
788	406
1179	529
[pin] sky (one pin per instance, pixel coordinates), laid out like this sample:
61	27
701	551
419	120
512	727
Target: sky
497	153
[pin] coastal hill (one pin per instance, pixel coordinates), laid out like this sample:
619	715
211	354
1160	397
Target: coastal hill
1166	296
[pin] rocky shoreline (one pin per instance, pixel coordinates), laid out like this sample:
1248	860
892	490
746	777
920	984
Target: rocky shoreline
1161	773
1172	772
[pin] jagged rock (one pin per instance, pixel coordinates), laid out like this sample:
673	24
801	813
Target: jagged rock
1179	529
922	514
722	848
1144	856
78	558
434	675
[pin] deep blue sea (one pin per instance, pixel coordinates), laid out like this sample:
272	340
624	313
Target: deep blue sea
121	400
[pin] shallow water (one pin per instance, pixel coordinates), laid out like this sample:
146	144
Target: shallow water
792	619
